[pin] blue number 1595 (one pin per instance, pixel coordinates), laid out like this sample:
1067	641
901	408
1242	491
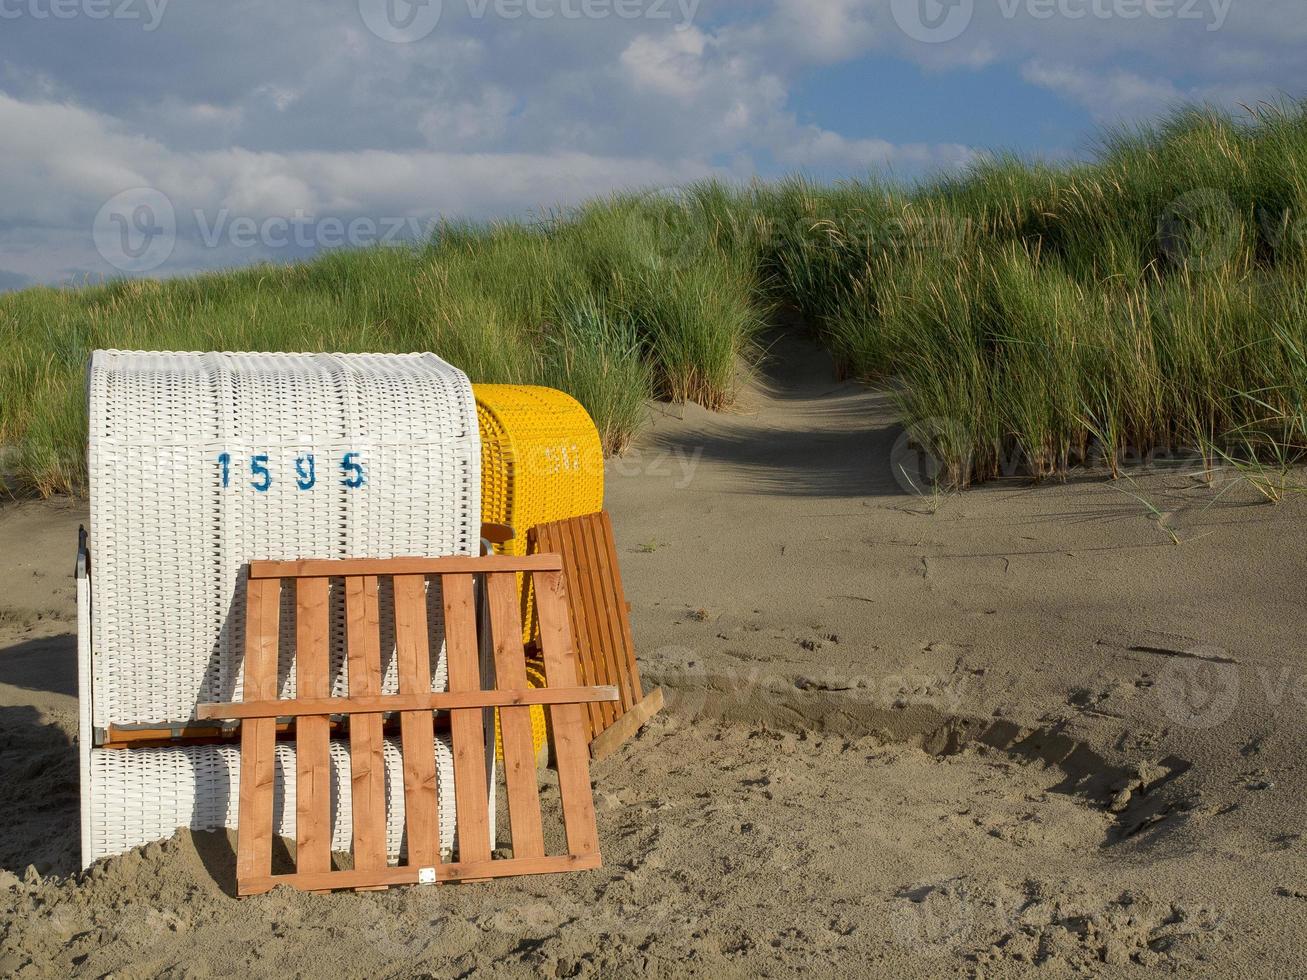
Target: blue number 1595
353	472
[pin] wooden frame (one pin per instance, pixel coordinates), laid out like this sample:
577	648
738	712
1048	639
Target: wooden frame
601	625
157	736
415	703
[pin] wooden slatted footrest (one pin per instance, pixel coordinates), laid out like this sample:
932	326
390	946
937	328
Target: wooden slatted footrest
601	624
365	707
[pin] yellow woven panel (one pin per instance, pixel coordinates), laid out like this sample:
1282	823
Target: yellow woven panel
535	678
541	460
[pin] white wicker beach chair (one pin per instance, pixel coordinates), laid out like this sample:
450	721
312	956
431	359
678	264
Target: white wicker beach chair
200	463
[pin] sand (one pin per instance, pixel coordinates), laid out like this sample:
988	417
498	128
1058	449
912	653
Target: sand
1015	731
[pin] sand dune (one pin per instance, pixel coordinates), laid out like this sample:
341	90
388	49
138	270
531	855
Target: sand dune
1013	730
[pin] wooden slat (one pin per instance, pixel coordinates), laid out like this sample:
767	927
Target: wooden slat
621	620
313	732
553	537
259	737
417	728
570	742
443	701
540	539
118	737
460	871
452	565
601	623
610	656
466	724
589	591
367	761
515	723
365	707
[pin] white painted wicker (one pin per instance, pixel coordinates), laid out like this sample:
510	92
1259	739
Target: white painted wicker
83	574
200	463
133	796
146	794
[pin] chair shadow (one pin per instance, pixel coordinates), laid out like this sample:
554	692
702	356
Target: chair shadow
40	789
39	794
46	663
216	851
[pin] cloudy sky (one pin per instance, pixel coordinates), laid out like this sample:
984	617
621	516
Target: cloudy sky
163	136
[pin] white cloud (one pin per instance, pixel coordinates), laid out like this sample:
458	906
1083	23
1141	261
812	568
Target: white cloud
1110	95
279	97
58	158
821	148
55	193
296	106
825	31
458	123
668	64
1222	50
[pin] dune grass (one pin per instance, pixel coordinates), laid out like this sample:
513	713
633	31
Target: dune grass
591	302
1152	301
1027	317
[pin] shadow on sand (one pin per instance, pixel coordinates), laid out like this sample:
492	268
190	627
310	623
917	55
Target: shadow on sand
45	664
812	434
38	793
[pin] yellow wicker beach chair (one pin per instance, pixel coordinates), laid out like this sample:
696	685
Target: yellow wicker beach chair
541	461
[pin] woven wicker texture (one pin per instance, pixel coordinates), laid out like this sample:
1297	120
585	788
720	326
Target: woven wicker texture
201	462
142	795
541	460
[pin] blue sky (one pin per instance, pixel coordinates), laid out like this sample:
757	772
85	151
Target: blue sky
161	137
940	108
